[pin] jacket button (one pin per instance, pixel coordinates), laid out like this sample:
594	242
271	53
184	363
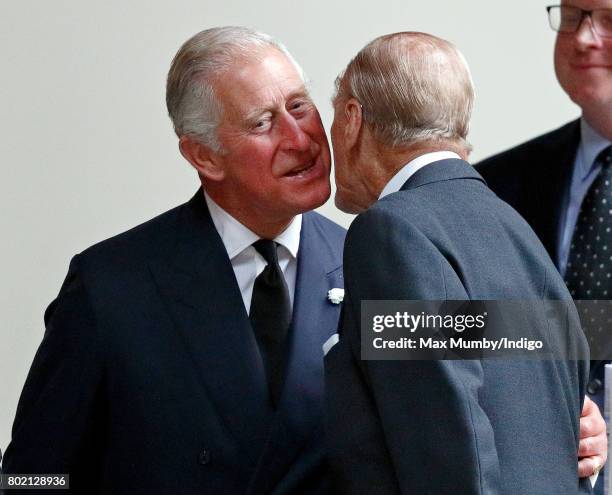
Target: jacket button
204	457
594	386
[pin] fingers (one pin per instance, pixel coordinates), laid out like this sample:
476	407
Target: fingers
588	406
589	465
591	421
593	446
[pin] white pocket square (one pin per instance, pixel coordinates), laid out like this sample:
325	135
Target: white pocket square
329	343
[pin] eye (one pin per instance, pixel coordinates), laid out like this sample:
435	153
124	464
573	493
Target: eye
261	125
298	107
605	21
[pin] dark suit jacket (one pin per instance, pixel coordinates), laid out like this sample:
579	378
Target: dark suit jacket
534	178
149	380
449	427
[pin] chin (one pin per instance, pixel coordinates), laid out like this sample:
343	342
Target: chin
345	205
317	198
587	99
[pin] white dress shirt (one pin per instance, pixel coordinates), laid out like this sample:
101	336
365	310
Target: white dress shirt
246	261
408	170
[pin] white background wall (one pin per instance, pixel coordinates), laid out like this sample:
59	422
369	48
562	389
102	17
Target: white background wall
86	148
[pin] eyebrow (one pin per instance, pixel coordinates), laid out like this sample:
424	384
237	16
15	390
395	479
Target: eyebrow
255	113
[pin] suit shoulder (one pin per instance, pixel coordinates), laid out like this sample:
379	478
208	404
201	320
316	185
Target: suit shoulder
329	231
527	153
389	256
138	243
411	208
387	220
326	224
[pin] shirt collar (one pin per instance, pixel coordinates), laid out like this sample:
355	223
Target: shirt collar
408	170
591	144
290	237
236	237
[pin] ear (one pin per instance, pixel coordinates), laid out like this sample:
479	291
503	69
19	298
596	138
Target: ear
353	113
202	158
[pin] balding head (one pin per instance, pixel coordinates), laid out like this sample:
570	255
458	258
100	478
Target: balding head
413	87
403	95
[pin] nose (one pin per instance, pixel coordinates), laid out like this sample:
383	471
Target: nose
586	34
292	134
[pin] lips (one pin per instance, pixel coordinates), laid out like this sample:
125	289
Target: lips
589	65
304	169
300	169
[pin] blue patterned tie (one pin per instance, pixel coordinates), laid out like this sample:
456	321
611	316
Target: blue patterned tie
589	269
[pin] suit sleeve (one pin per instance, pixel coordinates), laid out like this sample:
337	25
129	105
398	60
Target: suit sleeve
424	417
57	425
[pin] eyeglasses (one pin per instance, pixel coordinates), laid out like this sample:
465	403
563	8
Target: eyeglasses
568	19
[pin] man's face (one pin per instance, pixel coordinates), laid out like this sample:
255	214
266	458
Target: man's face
350	194
583	62
340	160
275	155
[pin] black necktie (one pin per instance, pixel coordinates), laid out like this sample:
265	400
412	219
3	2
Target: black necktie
270	316
589	268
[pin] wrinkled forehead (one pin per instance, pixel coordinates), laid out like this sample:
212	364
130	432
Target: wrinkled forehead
264	80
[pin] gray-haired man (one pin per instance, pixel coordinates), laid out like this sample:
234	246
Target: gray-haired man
184	356
430	229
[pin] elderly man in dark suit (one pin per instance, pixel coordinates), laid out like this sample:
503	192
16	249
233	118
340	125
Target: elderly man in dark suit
549	180
184	356
430	229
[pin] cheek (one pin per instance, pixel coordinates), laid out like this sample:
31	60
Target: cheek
561	59
256	158
560	55
335	140
314	128
608	51
339	173
333	136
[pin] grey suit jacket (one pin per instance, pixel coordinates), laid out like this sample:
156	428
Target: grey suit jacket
449	427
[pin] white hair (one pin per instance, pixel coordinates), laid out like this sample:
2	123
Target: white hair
413	87
192	104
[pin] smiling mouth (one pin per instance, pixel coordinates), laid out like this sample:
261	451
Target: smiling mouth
590	66
301	170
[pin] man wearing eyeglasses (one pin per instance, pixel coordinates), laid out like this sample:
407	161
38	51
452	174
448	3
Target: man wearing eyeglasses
561	182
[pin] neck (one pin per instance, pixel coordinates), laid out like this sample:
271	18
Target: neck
266	231
600	121
375	165
392	161
252	218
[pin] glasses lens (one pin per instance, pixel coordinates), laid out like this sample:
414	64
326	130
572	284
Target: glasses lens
602	19
570	19
554	17
564	19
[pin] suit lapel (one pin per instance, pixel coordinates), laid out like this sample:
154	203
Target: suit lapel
199	287
315	319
